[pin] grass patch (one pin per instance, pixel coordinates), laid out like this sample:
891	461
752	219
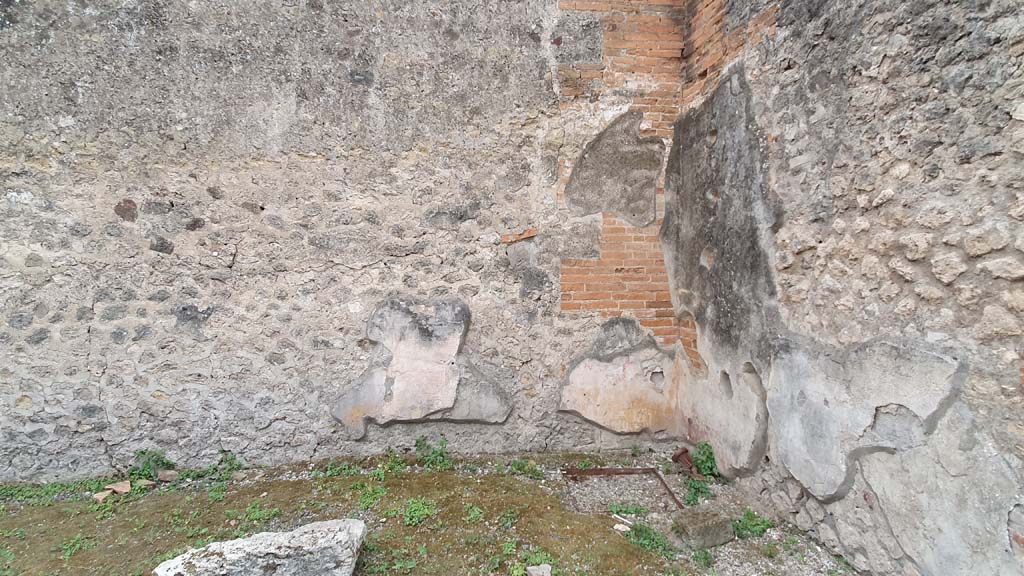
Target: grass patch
696	490
508	519
627	510
703	558
16	533
473	515
418	510
650	539
369	496
46	494
333	470
751	525
6	561
433	457
460	532
74	545
217	492
148	463
525	468
704	460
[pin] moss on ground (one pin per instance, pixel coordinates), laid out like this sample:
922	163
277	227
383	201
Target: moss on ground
479	518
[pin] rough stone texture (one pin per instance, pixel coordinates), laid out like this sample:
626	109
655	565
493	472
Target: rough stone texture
702	527
330	548
417	373
202	204
624	383
206	209
617	172
871	275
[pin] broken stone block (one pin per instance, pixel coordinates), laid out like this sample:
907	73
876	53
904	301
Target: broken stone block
328	548
99	497
540	570
702	527
122	487
617	172
997	322
1006	268
145	483
167	475
418	373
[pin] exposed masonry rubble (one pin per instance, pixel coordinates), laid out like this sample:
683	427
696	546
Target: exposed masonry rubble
289	250
839	216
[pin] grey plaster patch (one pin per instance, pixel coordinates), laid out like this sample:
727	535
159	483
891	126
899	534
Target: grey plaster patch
947	501
719	216
617	172
829	408
725	408
523	260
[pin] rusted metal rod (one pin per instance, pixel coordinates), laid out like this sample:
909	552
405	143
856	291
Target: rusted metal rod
578	474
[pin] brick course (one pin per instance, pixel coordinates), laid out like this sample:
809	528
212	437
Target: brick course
667	53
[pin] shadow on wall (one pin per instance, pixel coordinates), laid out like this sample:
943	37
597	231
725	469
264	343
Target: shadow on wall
879	422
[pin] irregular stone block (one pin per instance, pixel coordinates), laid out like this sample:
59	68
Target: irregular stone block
122	487
624	383
328	548
577	39
539	570
617	172
1007	268
702	527
418	373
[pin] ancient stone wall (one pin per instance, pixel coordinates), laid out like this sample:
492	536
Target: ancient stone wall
274	228
297	230
844	222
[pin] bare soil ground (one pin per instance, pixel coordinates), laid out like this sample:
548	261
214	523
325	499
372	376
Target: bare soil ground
474	516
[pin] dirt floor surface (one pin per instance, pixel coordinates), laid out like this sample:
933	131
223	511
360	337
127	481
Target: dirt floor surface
426	514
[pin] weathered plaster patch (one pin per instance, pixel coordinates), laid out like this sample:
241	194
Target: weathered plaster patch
624	383
417	373
824	406
719	212
948	501
725	408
